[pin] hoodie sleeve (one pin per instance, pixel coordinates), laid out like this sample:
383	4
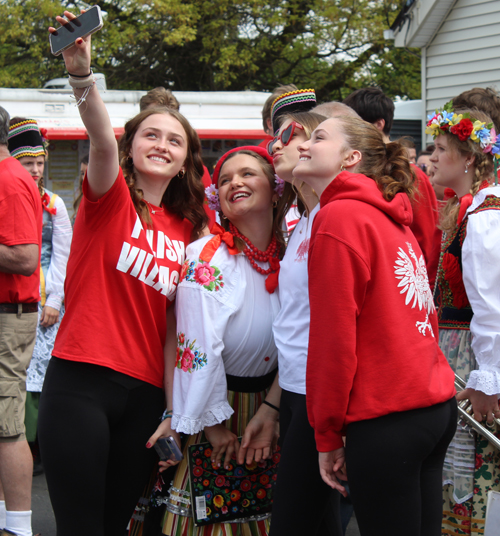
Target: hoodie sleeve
338	276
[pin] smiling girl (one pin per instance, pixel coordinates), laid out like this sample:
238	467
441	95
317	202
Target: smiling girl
225	382
375	373
115	351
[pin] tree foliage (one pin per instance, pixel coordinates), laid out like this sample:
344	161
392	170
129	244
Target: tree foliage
334	46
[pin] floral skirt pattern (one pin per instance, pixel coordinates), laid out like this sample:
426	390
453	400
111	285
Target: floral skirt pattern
245	406
472	464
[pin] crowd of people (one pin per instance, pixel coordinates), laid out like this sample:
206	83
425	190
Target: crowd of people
293	323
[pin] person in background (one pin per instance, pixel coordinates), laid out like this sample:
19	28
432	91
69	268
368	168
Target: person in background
110	374
468	302
373	106
438	189
485	99
159	96
20	247
423	159
334	109
410	148
267	122
27	145
375	373
84	164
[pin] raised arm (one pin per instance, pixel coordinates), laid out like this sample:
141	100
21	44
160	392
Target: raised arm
103	156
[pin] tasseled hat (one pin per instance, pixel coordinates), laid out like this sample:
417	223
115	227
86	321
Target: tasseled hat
302	100
25	139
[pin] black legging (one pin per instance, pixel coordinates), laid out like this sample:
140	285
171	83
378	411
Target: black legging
303	503
93	427
394	468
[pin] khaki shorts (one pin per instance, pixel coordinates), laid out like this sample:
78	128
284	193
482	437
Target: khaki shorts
17	339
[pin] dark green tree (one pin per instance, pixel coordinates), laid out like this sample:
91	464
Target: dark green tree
334	46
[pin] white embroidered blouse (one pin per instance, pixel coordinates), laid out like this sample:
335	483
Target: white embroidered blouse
481	275
224	325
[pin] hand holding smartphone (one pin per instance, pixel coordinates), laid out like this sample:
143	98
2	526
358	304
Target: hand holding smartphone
167	449
86	24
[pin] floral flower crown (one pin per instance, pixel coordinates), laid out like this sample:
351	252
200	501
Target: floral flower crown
465	127
212	193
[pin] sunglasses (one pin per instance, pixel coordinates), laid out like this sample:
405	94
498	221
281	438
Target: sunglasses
284	137
423	167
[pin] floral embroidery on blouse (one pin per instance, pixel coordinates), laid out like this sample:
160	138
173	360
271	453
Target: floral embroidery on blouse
188	357
201	272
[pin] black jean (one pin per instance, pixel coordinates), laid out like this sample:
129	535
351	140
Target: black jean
394	469
93	427
303	503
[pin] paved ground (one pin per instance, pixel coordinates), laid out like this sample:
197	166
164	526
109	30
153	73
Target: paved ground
44	522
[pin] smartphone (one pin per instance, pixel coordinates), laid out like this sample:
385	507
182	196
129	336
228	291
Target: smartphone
87	23
167	449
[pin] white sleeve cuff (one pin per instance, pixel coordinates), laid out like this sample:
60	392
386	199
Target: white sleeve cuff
217	415
487	381
54	301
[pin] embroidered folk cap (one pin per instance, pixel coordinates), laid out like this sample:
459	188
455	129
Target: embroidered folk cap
25	139
302	100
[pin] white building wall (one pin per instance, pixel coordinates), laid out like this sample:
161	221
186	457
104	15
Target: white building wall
464	52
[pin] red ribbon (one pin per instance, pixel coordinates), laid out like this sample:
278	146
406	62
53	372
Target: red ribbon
214	243
228	238
466	202
46	203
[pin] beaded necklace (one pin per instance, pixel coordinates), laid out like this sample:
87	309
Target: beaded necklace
252	253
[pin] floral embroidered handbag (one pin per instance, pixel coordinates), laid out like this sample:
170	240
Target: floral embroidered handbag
239	494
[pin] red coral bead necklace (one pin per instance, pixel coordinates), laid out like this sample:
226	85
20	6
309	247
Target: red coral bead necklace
253	253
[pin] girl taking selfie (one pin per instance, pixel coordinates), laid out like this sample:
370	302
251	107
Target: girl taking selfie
115	351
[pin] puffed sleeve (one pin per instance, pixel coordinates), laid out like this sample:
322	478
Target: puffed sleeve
62	234
481	274
205	302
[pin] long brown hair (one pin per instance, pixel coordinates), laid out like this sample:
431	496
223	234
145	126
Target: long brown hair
185	195
387	164
279	211
483	169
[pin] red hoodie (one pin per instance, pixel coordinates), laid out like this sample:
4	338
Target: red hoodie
373	347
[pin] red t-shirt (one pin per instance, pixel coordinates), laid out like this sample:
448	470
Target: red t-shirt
21	217
120	280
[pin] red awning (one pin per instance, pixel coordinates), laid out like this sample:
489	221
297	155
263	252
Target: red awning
76	133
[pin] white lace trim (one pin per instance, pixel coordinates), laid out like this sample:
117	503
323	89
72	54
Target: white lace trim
487	381
187	425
